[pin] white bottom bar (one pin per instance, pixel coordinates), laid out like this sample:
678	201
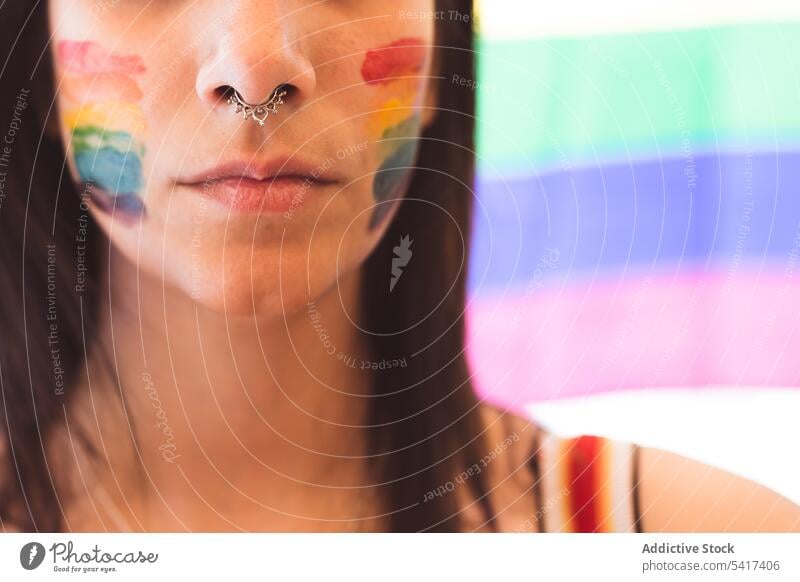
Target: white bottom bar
397	557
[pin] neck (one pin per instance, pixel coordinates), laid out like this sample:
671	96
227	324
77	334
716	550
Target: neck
227	412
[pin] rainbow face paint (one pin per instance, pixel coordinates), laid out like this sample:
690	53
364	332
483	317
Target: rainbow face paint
393	70
404	57
106	125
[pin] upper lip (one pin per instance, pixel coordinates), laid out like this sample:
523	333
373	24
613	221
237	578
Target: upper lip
263	171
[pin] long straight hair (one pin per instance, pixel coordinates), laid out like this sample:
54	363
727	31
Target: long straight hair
424	421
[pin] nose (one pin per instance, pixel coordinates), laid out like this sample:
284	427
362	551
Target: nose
255	50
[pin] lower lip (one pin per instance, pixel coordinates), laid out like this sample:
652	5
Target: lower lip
260	196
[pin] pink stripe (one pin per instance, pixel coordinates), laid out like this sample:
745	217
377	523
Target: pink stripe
90	58
701	330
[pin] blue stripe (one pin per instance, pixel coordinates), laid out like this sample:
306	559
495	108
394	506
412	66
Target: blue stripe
713	211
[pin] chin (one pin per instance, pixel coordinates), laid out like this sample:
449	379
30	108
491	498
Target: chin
247	295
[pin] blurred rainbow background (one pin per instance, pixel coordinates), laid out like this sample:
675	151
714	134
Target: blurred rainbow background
638	216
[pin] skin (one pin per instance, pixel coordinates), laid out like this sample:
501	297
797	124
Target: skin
228	382
244	420
143	80
681	494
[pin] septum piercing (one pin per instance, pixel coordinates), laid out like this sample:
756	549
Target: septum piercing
261	111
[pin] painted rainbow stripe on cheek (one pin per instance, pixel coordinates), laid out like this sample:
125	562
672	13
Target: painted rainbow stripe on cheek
106	124
404	57
90	58
112	86
393	71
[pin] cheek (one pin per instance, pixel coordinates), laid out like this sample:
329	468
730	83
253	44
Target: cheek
99	98
396	76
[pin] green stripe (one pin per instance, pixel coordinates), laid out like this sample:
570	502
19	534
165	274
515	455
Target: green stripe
541	101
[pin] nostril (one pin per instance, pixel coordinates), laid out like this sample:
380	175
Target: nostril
224	92
289	89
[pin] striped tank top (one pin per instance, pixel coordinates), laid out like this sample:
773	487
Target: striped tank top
586	484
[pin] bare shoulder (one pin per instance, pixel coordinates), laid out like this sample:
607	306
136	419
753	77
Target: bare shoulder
678	494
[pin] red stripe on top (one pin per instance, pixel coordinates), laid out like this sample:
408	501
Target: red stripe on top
584	468
403	57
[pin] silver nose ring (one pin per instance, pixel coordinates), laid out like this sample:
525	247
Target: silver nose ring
260	111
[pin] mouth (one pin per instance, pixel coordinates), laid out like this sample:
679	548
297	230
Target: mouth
272	187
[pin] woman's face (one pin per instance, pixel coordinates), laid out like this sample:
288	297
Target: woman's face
234	213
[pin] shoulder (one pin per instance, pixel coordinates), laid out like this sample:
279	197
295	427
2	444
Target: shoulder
679	494
541	482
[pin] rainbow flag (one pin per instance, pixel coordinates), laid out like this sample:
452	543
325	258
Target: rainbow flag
638	216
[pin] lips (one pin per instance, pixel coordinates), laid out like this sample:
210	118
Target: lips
274	195
269	187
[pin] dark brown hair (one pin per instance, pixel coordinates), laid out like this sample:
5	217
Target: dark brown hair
425	425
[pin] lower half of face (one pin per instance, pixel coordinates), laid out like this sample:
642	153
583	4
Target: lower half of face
244	207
